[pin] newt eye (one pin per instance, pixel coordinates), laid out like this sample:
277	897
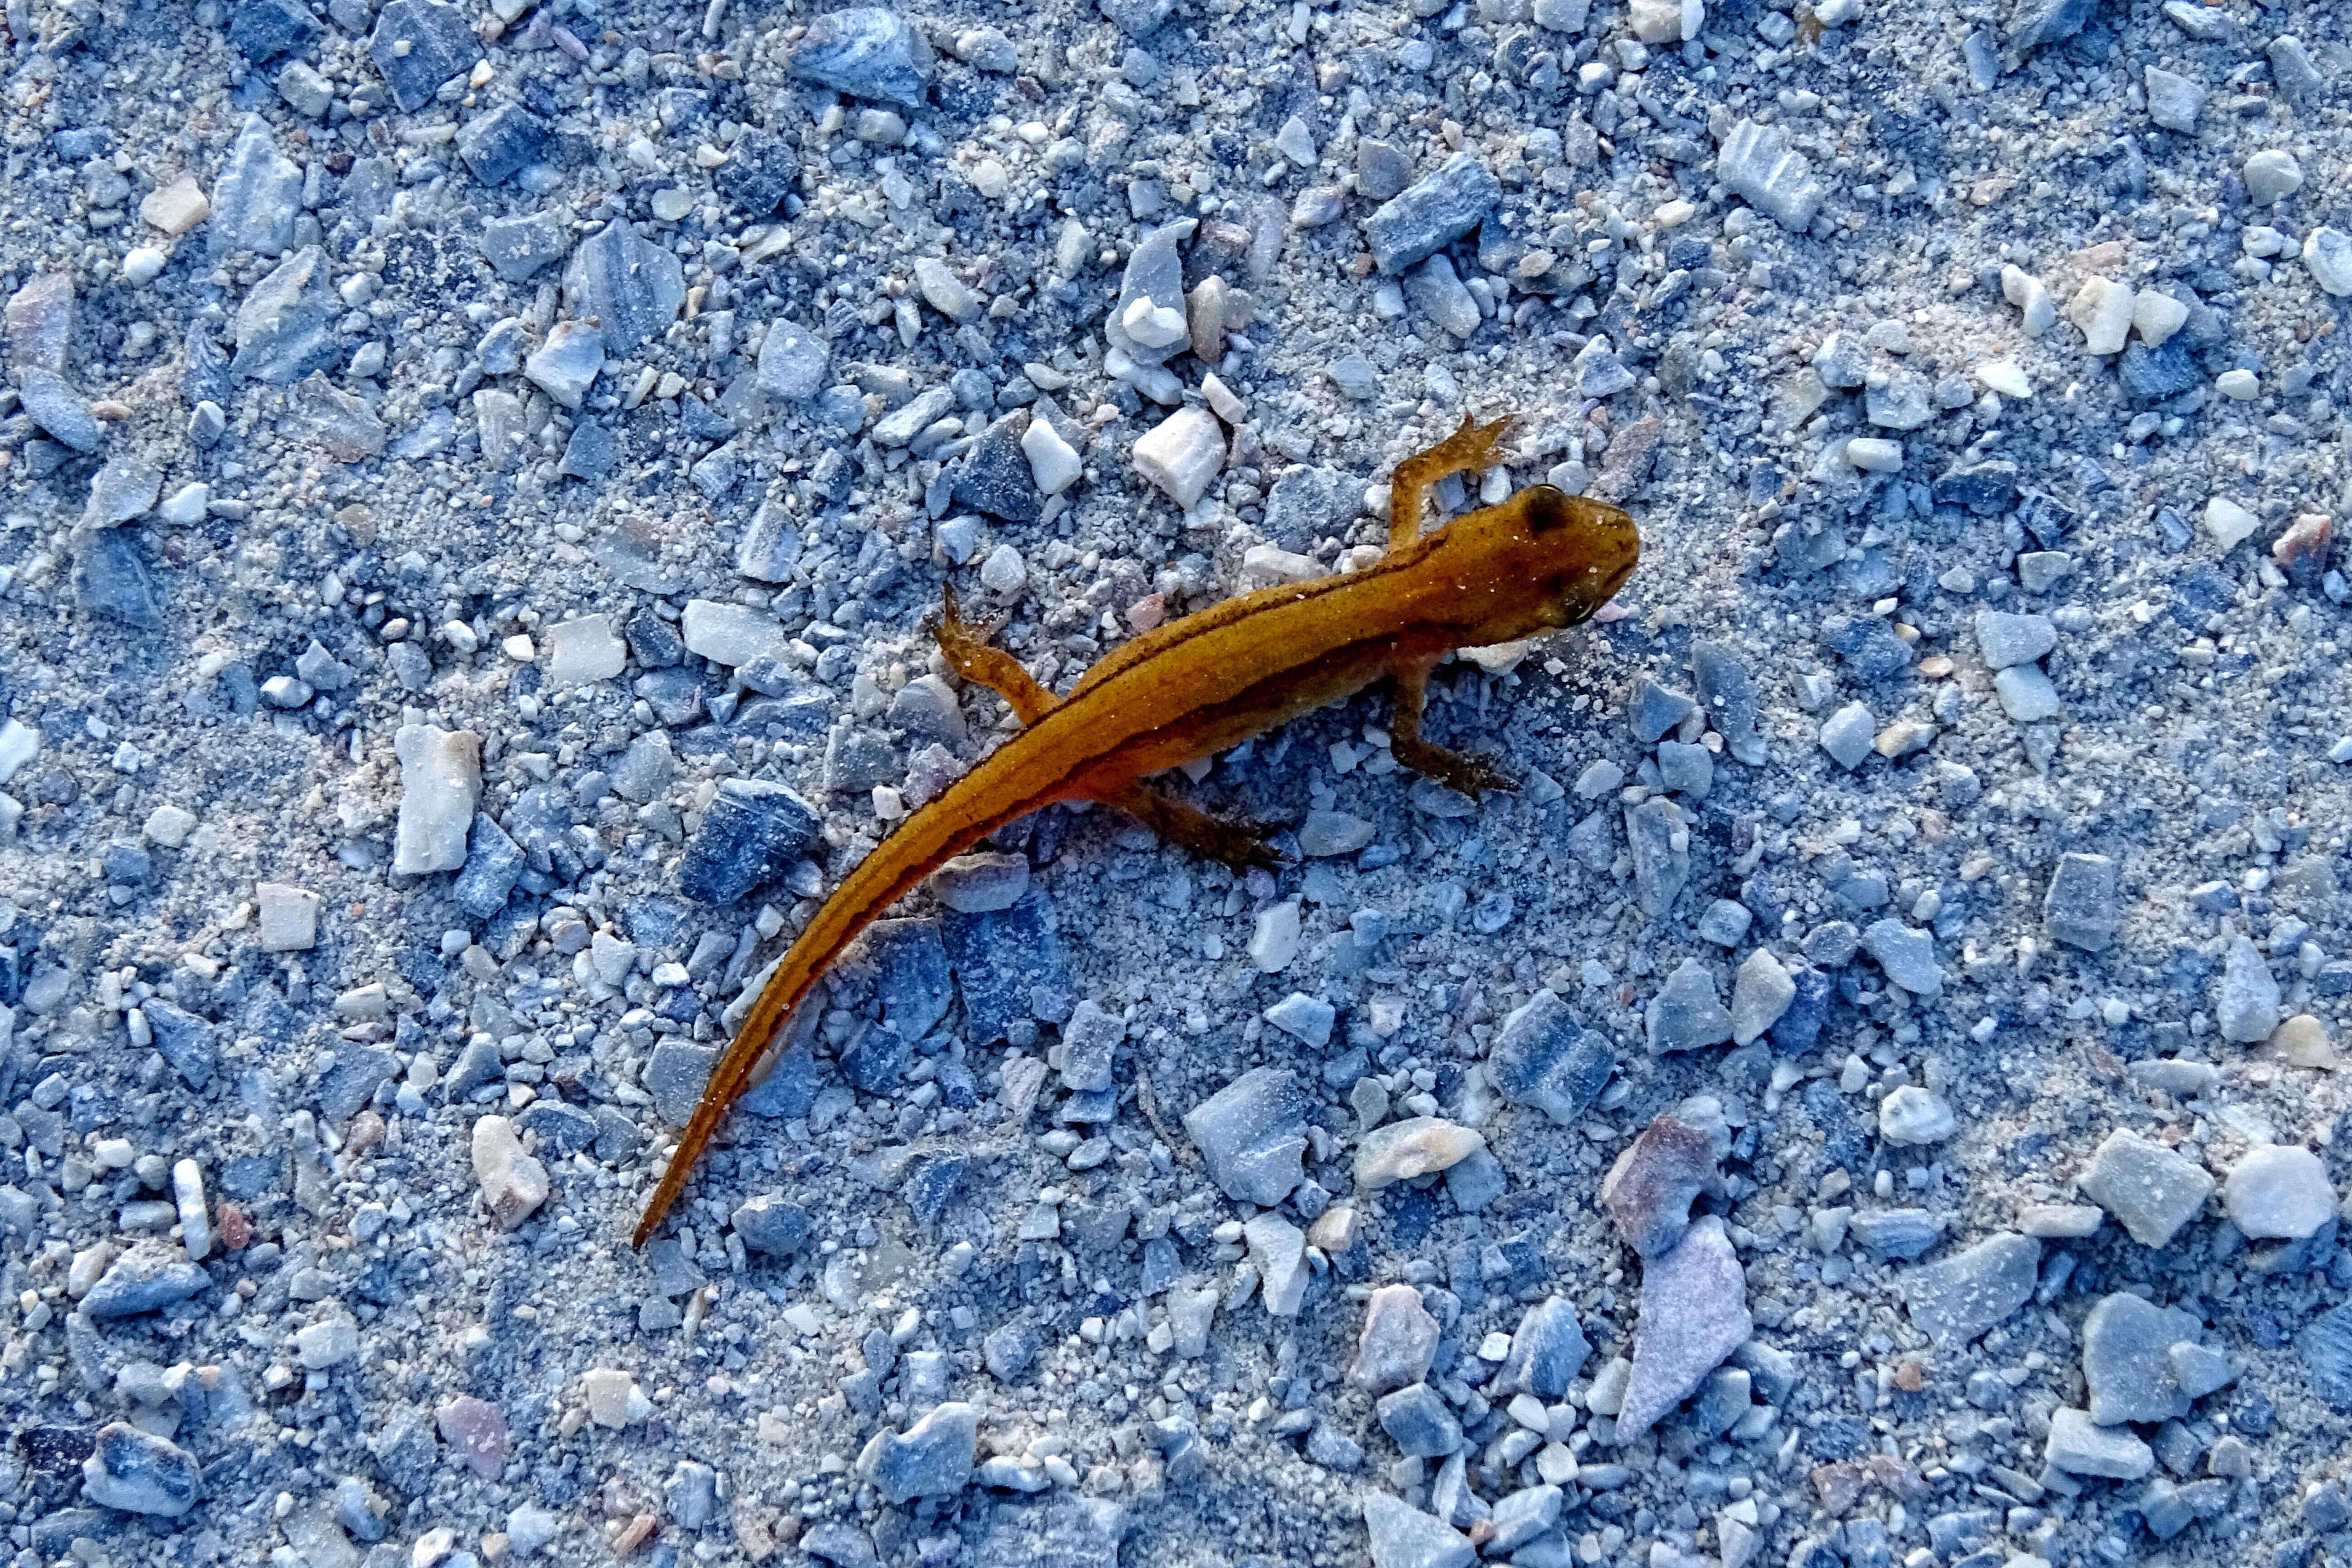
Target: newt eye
1547	508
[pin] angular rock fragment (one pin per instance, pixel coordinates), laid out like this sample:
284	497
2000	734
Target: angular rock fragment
1398	1341
2246	1004
1686	1014
1650	1189
2126	1345
1694	1313
257	196
1404	1537
440	779
1965	1294
1543	1057
1547	1351
869	52
285	327
752	832
2150	1190
1414	1147
513	1184
632	287
1761	992
1759	164
2081	1447
418	44
1425	216
2080	909
1252	1136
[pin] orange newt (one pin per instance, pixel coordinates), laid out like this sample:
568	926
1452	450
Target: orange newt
1201	685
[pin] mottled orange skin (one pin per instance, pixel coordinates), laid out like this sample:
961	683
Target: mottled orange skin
1201	685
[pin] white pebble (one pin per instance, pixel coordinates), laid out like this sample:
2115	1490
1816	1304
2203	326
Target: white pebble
513	1184
170	826
1227	405
2024	291
1912	1116
2240	384
2281	1193
582	650
288	918
1874	454
1275	942
141	264
1052	462
2103	309
440	780
1182	453
2005	376
2272	175
195	1219
187	504
1403	1150
177	207
1004	572
731	635
318	1346
1666	21
2327	253
2158	316
2229	522
615	1400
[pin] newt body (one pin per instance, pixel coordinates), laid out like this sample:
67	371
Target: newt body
1203	684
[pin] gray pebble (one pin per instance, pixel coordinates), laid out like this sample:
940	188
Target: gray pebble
1424	217
1907	954
2007	639
2149	1189
1252	1135
1961	1297
139	1472
51	403
932	1459
1724	923
1543	1057
1687	1013
1418	1422
632	288
2246	1002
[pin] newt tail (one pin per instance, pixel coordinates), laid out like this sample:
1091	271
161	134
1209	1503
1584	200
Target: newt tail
1201	685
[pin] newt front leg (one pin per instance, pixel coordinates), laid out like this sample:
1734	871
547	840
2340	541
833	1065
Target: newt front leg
1458	770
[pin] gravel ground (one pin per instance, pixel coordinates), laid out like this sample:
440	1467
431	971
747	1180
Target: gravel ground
472	480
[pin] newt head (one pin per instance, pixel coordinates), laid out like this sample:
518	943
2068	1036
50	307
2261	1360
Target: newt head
1540	561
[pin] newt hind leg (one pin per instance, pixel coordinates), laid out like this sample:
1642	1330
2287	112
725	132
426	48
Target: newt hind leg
965	643
1240	845
1471	447
1458	770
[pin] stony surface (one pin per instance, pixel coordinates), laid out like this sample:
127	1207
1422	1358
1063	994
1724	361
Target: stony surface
472	487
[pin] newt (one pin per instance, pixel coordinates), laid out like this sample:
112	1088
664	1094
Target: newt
1202	684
